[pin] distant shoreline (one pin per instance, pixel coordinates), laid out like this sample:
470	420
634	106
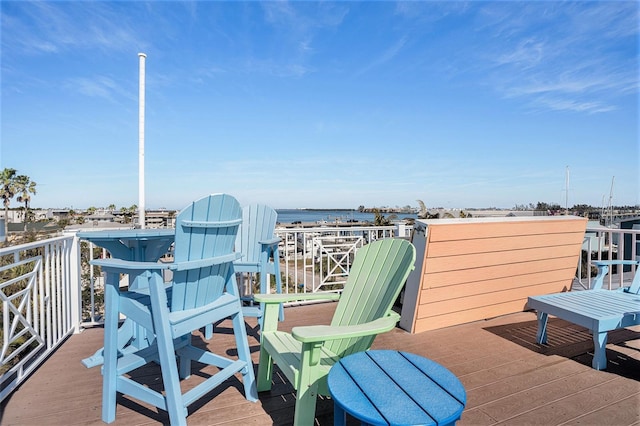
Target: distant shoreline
322	210
365	210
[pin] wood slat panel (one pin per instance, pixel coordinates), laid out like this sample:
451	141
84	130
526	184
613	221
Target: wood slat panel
504	243
448	278
476	260
455	318
504	228
484	300
451	292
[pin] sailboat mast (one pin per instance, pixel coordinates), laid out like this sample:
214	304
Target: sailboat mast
566	194
611	202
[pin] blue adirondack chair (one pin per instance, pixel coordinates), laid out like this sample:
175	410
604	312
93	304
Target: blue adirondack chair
258	246
203	290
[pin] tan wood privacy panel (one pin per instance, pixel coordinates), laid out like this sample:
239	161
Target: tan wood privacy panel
479	268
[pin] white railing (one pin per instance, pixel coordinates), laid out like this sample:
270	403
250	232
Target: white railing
608	243
314	260
318	259
39	292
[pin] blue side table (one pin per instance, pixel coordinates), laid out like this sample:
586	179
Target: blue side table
385	387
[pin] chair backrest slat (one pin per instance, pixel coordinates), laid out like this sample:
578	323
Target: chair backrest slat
206	228
258	224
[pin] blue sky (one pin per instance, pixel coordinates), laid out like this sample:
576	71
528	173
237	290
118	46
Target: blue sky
323	104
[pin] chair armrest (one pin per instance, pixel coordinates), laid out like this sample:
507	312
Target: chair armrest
203	263
284	298
127	265
270	242
615	262
322	333
271	302
603	270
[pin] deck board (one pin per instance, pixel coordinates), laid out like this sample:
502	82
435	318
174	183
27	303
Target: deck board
509	378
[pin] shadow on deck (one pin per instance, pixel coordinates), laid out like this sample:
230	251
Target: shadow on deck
508	377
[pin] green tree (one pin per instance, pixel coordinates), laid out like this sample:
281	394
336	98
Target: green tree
8	191
128	212
25	186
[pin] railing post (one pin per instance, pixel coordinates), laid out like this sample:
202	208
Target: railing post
76	284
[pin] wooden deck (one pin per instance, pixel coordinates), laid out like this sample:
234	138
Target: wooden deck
508	377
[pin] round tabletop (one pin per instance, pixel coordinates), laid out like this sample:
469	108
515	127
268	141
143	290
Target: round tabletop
132	244
386	387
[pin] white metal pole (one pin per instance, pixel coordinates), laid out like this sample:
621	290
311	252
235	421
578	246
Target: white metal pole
141	201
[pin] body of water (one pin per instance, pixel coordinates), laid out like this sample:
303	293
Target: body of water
329	216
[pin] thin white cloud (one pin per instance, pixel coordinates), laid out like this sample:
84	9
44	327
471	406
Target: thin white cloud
564	104
563	58
99	87
571	56
386	56
52	27
528	53
296	25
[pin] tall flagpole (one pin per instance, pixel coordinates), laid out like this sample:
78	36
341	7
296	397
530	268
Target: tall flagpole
141	201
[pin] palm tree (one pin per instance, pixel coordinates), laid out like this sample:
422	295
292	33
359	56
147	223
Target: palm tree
25	186
128	212
7	192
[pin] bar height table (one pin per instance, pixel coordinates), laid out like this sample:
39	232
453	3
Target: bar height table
143	245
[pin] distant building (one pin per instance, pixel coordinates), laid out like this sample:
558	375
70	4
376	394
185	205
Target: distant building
158	219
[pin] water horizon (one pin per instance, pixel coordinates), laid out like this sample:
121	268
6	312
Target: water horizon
289	216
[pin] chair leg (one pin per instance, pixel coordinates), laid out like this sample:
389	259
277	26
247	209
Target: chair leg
306	398
184	361
599	350
208	331
244	354
167	353
110	352
279	291
265	370
276	272
307	386
541	336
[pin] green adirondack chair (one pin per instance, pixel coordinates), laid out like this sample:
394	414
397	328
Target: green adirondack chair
364	310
